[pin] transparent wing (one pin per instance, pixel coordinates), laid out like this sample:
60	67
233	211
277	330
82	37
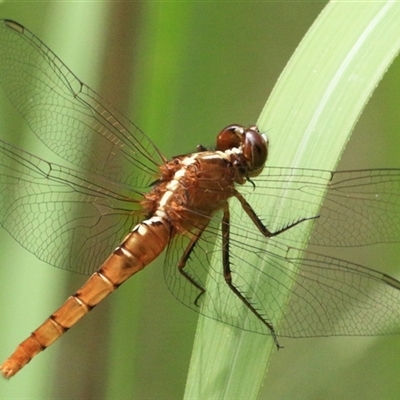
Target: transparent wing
69	117
329	296
68	219
360	207
332	297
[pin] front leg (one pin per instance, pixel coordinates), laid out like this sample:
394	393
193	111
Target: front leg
257	222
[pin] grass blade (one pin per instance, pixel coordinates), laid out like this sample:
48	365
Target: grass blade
309	118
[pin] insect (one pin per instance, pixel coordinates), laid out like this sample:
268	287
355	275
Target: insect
118	184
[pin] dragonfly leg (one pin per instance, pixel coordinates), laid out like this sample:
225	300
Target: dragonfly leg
228	276
182	264
261	227
200	148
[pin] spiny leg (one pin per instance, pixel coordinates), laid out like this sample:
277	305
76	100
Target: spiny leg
182	264
228	274
260	226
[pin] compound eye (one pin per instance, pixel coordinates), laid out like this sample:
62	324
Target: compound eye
255	150
230	137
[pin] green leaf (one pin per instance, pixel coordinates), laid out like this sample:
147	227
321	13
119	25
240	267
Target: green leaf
309	118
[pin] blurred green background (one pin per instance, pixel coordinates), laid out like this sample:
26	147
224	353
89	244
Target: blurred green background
181	71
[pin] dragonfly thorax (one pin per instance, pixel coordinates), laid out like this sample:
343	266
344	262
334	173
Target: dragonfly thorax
192	188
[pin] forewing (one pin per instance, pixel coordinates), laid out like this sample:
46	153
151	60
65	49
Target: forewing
69	117
360	207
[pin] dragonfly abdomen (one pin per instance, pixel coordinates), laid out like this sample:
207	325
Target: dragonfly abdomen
141	246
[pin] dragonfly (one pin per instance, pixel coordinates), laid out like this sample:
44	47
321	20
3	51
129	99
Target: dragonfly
116	185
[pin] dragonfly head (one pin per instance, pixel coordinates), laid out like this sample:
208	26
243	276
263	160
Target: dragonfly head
252	144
